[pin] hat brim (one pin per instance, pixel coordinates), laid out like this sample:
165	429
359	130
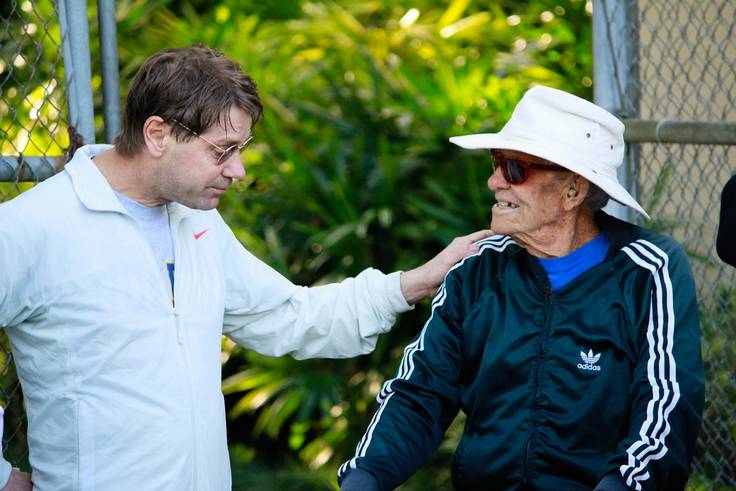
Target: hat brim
554	153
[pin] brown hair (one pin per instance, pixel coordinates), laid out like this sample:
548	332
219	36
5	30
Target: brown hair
195	85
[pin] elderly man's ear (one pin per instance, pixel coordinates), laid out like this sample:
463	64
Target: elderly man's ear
576	192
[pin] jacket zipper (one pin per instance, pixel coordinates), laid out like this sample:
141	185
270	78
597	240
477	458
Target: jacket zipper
537	374
184	350
179	337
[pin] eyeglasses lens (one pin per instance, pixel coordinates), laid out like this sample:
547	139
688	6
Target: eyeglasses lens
229	151
515	172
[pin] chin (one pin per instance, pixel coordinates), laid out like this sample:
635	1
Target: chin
202	204
209	205
503	226
498	227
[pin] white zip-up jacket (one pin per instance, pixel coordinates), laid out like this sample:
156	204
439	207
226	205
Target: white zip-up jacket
122	388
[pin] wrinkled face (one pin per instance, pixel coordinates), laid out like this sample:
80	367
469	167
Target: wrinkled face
533	210
192	174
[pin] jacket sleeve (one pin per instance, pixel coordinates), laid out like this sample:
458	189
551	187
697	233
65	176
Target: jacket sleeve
418	404
668	387
267	313
726	239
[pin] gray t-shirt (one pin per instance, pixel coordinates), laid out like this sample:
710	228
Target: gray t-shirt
155	223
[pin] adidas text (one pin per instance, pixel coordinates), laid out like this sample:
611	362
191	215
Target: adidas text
589	361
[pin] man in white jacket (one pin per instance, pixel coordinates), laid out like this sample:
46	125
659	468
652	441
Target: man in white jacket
118	279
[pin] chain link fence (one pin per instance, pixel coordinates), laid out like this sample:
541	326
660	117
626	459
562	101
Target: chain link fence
676	63
675	78
32	96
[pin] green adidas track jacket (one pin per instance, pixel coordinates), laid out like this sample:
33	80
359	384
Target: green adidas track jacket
559	388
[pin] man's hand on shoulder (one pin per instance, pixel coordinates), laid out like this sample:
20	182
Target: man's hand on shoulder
422	282
19	481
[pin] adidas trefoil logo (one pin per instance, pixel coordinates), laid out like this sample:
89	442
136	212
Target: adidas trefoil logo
589	361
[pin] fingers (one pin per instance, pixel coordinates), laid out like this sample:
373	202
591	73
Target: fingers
479	235
19	481
468	241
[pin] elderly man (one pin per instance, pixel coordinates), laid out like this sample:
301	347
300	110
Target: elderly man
570	341
119	363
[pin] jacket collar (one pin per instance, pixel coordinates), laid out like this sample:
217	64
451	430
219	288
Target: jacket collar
619	232
94	191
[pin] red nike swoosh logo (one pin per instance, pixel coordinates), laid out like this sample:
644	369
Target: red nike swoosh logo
197	235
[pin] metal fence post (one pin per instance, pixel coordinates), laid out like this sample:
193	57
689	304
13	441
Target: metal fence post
78	72
110	76
612	69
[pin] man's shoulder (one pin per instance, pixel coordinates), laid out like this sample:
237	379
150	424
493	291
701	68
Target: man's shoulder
650	252
492	251
44	198
28	220
629	237
657	243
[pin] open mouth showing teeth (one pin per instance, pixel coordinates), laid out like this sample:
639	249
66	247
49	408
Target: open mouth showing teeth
506	205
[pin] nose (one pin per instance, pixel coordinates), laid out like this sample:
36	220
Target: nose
496	181
234	168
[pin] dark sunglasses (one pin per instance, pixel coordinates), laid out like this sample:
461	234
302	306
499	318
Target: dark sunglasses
516	171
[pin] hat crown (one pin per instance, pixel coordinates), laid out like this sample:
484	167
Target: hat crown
549	116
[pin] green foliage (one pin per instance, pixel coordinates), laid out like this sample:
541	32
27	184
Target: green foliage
287	477
32	105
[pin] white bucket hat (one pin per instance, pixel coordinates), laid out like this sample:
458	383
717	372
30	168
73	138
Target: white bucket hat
567	130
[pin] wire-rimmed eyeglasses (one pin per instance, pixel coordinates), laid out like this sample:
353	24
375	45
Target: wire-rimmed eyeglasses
225	153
